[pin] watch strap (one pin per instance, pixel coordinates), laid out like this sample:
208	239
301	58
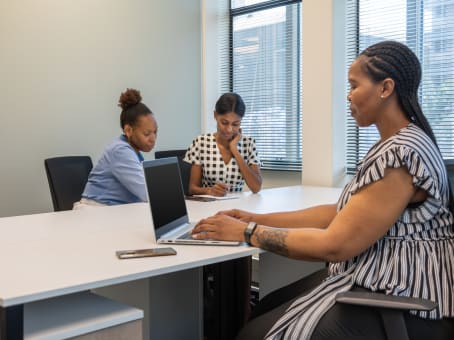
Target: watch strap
249	231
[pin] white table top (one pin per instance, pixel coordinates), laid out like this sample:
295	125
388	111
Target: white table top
53	254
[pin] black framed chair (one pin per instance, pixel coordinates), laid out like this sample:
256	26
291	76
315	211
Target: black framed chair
450	169
185	168
391	309
67	176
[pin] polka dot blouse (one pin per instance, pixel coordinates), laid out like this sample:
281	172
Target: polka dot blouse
204	151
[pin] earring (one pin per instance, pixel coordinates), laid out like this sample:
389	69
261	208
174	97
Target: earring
382	96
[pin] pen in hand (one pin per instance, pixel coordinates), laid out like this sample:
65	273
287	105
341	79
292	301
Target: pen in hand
219	189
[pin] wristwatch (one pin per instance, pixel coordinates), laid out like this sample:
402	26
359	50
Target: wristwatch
249	231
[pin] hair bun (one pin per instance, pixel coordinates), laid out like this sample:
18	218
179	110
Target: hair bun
129	98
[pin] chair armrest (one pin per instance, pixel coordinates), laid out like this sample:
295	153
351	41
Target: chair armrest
381	300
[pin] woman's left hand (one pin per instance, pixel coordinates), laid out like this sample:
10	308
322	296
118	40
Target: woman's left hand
233	145
220	227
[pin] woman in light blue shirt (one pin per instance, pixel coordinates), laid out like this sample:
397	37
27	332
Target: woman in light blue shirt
117	178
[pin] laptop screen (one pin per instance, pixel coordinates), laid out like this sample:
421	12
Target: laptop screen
165	194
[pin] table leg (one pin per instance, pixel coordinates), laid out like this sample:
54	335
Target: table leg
12	322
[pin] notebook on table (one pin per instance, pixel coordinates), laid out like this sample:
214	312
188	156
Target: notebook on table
167	204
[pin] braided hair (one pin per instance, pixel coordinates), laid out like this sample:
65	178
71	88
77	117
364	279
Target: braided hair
391	59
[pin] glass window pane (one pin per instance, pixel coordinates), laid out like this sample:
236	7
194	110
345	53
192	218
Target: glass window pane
427	27
266	72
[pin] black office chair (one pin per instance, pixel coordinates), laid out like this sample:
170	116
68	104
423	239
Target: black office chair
185	168
391	309
67	177
450	168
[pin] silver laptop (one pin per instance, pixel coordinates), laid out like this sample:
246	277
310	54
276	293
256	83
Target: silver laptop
168	205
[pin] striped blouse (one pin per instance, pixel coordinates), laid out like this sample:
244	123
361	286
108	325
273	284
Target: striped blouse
416	256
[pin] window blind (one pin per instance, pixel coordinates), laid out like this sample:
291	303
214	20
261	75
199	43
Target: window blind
224	46
265	69
427	27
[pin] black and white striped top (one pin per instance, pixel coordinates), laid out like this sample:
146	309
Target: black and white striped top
416	256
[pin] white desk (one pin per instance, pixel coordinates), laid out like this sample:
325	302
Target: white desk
55	254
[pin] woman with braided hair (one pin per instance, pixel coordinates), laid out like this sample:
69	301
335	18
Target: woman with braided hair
118	178
391	230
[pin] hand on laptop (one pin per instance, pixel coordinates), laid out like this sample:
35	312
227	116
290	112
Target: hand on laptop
242	215
220	227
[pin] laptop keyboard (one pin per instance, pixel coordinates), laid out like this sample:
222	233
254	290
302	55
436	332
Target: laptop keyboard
186	236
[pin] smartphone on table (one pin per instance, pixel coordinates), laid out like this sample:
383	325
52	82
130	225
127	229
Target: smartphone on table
150	252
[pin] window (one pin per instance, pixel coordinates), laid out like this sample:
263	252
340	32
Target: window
427	27
265	69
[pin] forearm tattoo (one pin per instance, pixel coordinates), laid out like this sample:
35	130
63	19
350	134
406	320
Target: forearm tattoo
273	240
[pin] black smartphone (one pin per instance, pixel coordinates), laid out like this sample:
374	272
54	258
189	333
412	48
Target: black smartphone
134	253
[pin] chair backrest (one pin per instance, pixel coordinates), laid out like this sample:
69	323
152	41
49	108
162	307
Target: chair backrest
185	168
67	177
450	168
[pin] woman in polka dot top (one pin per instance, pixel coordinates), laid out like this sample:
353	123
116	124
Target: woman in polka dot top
224	160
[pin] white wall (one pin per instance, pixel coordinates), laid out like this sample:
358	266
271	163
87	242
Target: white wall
63	64
324	79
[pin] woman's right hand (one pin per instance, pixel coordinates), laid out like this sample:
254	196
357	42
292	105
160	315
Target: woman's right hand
242	215
219	189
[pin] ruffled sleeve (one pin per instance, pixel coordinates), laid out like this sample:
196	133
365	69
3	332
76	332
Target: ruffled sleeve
192	155
373	169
